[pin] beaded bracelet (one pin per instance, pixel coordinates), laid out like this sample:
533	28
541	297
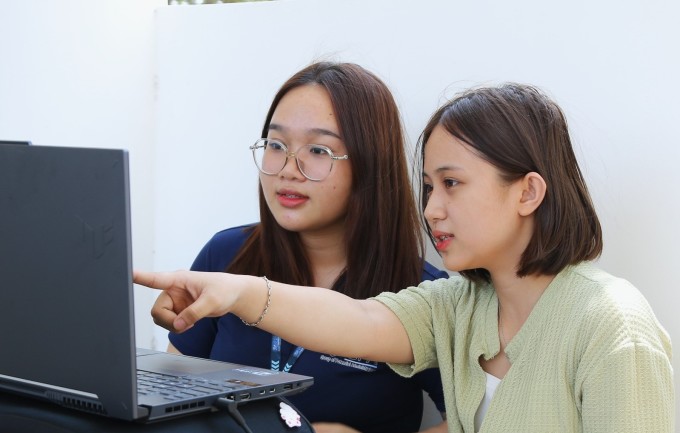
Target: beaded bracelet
266	307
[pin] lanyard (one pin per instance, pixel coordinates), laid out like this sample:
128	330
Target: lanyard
276	355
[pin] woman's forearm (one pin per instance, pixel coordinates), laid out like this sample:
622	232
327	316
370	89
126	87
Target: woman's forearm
330	322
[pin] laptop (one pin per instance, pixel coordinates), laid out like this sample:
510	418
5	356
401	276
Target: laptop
66	293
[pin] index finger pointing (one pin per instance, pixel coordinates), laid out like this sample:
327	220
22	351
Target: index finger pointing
153	280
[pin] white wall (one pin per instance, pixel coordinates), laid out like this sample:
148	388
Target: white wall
80	73
613	66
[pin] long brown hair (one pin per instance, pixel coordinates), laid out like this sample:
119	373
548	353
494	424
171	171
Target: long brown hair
382	236
518	129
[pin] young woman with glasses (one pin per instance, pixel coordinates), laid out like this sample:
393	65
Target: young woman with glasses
336	211
532	337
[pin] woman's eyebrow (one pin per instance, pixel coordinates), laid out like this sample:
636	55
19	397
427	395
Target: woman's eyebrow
311	131
322	131
444	168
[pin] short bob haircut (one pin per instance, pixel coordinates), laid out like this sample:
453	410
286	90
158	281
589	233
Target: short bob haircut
383	236
519	130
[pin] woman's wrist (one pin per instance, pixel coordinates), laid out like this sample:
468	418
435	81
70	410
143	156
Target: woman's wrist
253	299
265	309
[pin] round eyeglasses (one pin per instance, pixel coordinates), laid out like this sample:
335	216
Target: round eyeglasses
314	160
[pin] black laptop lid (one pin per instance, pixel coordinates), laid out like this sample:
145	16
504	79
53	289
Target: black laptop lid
18	142
65	272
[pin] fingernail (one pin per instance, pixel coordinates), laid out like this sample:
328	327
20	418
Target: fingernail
180	324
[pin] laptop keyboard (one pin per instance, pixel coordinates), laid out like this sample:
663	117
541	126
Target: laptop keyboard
174	388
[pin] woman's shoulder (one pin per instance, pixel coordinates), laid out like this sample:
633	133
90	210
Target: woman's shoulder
600	291
611	307
457	290
449	290
232	235
221	249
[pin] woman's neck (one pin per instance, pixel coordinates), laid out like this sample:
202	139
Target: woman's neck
517	297
327	256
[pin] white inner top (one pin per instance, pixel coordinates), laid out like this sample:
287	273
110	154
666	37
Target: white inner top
492	383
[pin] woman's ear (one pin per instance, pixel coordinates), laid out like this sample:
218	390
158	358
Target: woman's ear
533	193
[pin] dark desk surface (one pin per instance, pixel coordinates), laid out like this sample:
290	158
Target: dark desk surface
19	415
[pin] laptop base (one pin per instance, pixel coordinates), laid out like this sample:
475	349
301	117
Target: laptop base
19	414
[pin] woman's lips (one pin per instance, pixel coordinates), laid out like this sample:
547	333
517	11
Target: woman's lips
442	240
290	198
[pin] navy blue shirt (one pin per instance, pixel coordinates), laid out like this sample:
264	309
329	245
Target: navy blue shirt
365	395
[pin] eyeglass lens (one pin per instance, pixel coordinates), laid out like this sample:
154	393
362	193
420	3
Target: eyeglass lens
314	161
